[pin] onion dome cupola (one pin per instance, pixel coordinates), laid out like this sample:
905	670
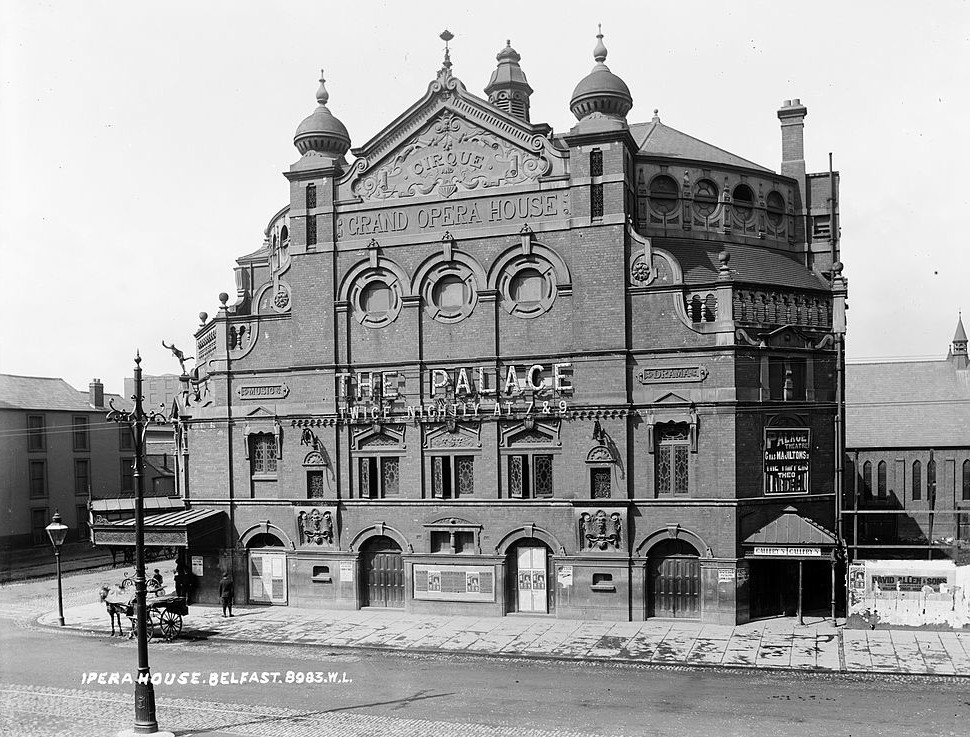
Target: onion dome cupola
321	131
508	89
601	92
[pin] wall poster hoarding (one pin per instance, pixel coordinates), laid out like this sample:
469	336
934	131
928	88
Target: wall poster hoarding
787	456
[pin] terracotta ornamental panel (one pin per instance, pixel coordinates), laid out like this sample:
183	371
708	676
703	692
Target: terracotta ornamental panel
450	155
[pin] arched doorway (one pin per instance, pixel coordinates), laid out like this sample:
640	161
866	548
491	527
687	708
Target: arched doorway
674	581
382	573
527	588
267	569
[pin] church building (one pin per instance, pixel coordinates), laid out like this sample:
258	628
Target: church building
479	366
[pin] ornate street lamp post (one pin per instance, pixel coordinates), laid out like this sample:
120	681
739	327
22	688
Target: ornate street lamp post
57	532
137	420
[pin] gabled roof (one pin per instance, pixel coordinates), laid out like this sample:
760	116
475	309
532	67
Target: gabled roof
751	264
656	139
47	393
907	404
790	528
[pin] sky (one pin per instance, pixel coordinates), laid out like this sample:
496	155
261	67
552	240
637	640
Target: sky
142	145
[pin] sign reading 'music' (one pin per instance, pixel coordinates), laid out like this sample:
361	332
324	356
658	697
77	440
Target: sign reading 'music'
787	457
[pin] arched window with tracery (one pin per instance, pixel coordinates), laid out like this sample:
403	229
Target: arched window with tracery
881	480
917	481
673	454
867	480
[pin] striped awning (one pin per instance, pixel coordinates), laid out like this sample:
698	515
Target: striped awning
183	528
790	535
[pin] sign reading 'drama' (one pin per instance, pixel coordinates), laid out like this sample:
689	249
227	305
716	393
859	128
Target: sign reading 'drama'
787	459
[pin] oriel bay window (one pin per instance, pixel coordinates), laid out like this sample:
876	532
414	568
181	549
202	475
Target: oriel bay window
452	476
378	477
530	476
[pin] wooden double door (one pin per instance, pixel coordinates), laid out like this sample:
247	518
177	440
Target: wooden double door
382	574
674	583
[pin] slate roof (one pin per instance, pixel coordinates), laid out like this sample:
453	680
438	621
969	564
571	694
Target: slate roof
45	393
790	528
907	404
656	139
754	264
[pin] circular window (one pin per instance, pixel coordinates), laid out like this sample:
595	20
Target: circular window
376	298
743	201
663	194
775	205
449	292
528	287
705	198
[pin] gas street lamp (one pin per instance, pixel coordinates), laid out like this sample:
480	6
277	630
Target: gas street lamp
57	532
138	420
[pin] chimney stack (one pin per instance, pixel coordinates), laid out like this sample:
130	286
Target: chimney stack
96	393
792	116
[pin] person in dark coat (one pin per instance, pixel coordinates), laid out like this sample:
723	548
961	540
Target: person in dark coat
157	579
179	582
226	593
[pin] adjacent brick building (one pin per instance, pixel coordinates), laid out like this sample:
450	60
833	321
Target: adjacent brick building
485	367
57	452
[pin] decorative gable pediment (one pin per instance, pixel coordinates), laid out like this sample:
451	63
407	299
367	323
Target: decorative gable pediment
788	337
530	432
379	436
260	413
450	141
455	435
671	398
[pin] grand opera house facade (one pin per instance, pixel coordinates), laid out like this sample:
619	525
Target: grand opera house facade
478	366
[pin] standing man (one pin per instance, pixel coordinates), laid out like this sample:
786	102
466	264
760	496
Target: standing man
226	593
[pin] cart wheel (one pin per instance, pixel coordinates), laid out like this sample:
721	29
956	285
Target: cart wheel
149	627
170	624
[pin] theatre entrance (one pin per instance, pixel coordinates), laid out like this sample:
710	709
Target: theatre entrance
674	581
529	568
267	570
382	579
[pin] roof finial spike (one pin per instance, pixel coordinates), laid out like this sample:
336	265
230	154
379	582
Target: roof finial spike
446	36
599	53
322	95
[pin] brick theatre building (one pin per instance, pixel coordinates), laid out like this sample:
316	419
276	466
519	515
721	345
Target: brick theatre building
478	366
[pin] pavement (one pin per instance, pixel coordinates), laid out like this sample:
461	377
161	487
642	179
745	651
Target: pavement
819	645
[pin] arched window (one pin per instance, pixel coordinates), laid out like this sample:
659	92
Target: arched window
867	479
966	481
881	479
705	198
311	196
262	453
917	480
743	201
775	205
663	194
931	481
672	459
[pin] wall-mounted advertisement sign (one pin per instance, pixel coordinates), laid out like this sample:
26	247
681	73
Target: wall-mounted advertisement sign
454	583
787	459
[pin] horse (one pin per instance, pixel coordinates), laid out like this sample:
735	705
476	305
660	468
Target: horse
115	610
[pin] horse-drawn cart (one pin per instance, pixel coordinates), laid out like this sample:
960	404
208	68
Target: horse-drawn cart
164	613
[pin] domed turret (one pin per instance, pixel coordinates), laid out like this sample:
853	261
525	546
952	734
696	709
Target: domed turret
508	89
601	91
322	132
